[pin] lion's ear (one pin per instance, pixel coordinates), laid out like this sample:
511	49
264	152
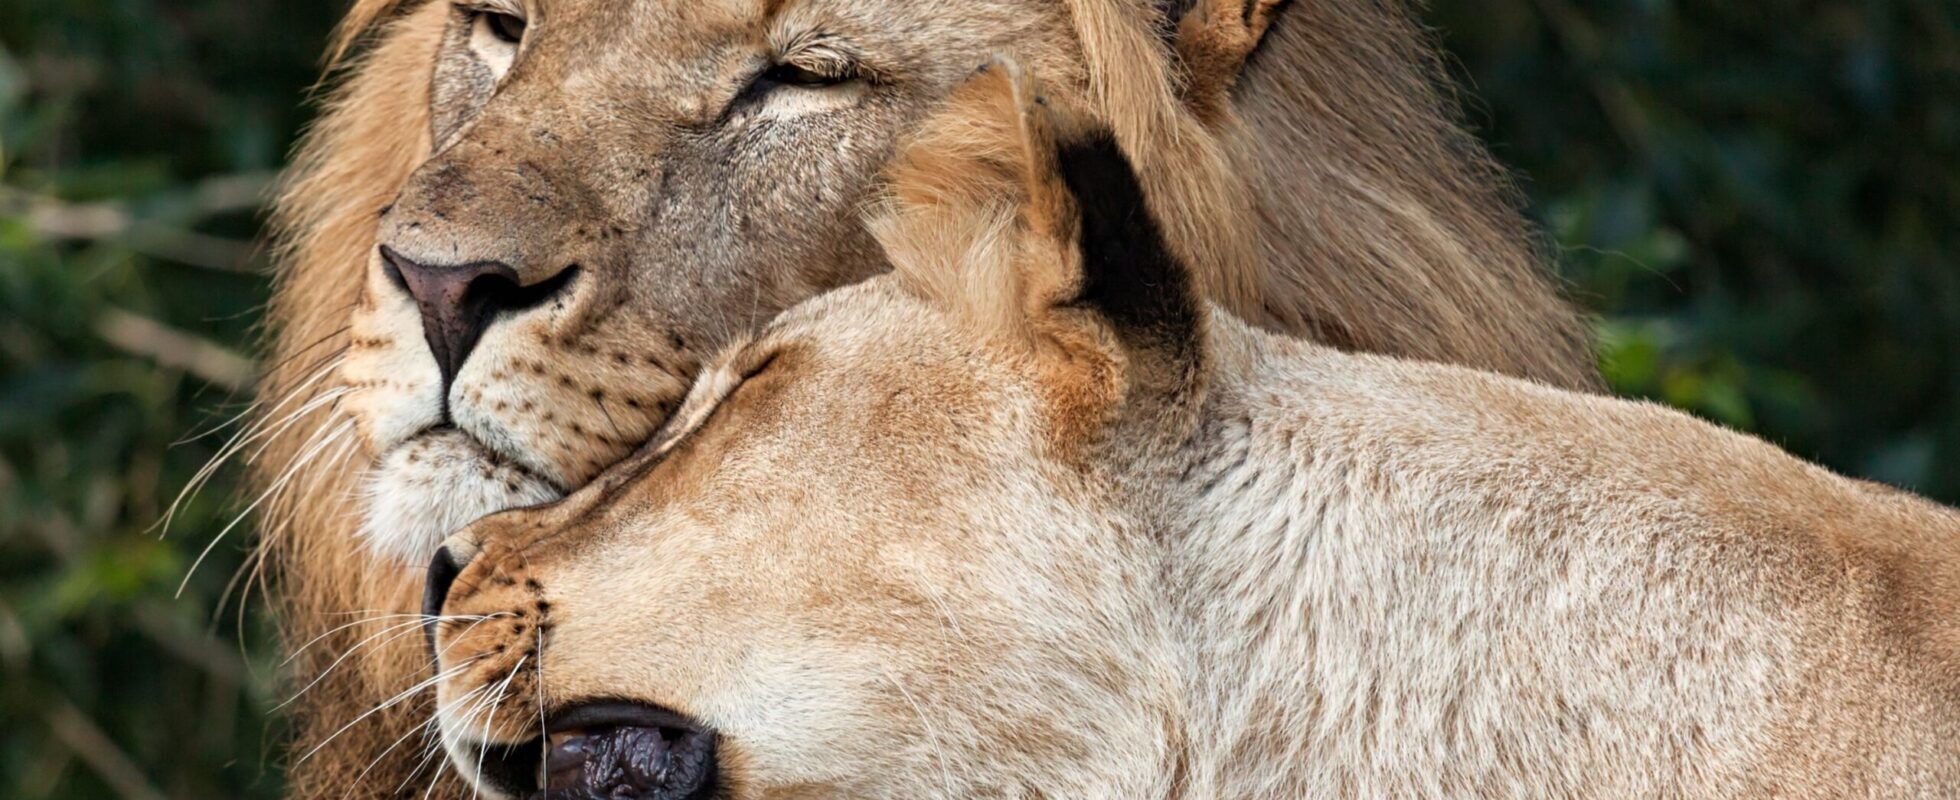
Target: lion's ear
1214	39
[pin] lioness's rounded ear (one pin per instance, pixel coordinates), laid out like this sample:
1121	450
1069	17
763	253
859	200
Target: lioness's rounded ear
1009	205
975	214
1027	220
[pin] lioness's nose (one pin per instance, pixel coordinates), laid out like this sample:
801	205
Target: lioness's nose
443	570
449	561
459	301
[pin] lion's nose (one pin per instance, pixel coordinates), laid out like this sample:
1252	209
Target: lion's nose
459	301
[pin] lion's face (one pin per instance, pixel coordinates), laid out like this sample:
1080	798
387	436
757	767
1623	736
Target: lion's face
615	190
873	555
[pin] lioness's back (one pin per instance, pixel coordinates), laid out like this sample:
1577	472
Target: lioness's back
1667	605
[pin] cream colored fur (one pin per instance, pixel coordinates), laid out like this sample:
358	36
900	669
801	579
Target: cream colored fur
984	537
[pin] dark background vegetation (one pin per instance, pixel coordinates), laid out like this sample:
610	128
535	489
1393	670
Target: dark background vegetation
1760	200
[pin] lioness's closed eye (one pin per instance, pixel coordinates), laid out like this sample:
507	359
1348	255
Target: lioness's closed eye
1027	519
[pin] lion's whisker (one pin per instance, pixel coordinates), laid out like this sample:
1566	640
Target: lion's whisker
261	426
330	398
251	573
241	440
248	412
305	458
279	365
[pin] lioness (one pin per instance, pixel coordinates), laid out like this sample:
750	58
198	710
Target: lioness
1027	518
521	225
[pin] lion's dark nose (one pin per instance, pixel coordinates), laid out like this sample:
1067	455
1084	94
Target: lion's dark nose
459	301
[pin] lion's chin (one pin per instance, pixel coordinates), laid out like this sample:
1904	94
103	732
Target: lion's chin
430	486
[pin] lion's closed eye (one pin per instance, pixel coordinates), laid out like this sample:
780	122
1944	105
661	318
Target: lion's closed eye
810	73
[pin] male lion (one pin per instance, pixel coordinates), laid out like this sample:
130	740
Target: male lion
1026	518
521	225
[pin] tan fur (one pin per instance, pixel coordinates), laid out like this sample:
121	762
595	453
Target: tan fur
1335	157
859	556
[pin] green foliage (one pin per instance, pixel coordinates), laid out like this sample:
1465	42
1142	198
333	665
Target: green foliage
1761	201
135	141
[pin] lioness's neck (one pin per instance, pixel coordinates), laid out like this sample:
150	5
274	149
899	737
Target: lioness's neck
1249	535
1316	599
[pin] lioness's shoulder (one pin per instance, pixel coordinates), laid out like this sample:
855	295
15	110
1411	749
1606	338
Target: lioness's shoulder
1544	446
1617	467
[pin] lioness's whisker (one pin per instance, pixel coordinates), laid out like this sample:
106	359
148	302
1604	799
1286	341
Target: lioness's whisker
377	617
466	720
432	741
431	747
430	792
391	702
420	620
490	716
358	779
398	630
544	730
932	734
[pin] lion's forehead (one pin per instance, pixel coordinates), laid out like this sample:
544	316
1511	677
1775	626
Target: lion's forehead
669	41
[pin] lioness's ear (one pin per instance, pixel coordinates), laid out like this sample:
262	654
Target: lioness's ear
1128	274
1012	206
1028	220
974	213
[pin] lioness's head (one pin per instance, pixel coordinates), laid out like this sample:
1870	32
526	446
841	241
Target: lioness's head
882	550
614	190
